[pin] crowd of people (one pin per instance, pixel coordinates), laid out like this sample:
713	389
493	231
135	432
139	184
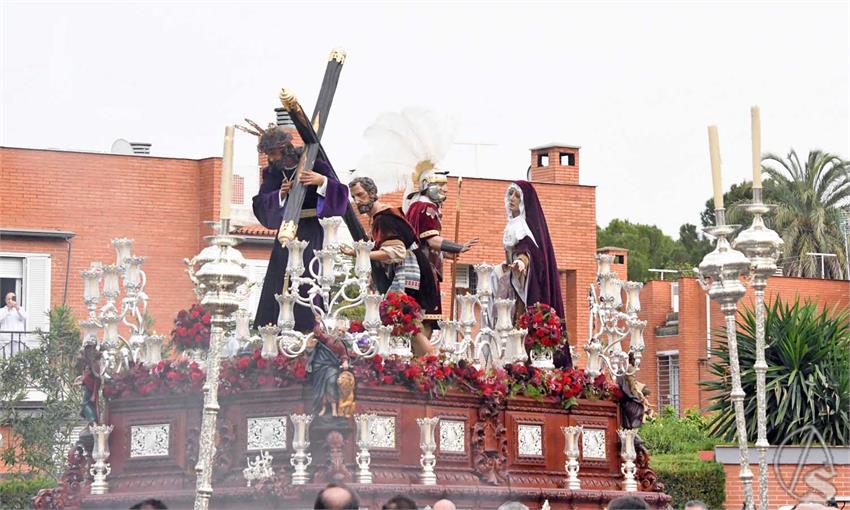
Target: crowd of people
337	496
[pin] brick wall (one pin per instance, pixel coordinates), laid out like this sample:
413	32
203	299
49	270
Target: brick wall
691	342
159	202
814	480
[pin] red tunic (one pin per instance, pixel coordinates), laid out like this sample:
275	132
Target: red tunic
426	220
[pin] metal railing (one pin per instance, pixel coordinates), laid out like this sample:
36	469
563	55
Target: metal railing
13	342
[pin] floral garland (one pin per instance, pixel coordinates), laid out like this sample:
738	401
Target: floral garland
251	371
544	327
174	377
402	312
191	329
433	376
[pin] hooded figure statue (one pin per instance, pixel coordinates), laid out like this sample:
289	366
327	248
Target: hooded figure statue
533	277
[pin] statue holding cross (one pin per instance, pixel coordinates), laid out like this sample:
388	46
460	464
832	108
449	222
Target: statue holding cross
298	187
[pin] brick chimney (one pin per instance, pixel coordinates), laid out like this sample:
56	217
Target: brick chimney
554	163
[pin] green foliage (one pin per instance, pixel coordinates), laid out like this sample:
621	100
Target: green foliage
668	433
809	199
18	492
42	431
649	247
808	376
686	477
733	200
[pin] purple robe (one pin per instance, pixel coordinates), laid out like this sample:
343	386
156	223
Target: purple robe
268	211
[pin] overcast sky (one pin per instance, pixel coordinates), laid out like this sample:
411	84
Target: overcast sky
634	84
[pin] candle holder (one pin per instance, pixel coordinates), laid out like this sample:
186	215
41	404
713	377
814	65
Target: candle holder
362	262
372	314
571	439
364	458
100	452
260	469
515	346
268	334
428	444
153	350
300	443
627	452
720	275
295	262
762	246
543	359
330	226
286	313
452	341
611	322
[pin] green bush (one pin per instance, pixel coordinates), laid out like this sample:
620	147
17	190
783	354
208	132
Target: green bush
808	375
18	492
686	477
668	433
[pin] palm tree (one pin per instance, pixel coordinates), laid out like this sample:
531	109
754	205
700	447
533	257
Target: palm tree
810	202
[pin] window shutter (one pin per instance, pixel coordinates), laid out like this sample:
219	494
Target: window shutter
37	292
462	277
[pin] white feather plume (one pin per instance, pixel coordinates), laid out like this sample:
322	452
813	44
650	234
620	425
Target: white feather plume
398	141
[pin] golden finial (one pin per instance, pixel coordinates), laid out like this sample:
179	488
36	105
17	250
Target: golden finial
337	54
288	99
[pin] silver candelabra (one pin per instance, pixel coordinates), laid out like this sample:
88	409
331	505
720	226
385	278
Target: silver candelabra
611	321
720	274
220	272
762	246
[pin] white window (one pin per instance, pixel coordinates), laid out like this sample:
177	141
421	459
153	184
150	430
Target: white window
256	275
28	275
674	296
668	379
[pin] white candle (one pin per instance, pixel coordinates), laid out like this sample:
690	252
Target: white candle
227	174
714	151
756	128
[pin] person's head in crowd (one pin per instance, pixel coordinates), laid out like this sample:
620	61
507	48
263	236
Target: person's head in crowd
695	504
627	503
336	497
400	503
149	504
444	504
512	505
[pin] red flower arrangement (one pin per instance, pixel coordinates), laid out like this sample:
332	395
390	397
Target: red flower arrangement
402	312
191	329
174	377
356	326
544	327
251	371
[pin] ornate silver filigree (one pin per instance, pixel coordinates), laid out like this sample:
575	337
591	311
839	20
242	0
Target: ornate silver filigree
382	432
593	444
267	433
530	440
452	436
149	440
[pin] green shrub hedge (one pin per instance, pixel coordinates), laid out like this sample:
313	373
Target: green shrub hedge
686	477
18	492
668	433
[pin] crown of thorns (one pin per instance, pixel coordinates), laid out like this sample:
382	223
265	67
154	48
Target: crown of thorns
270	138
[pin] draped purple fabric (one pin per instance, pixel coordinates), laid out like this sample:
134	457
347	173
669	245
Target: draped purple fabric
544	283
